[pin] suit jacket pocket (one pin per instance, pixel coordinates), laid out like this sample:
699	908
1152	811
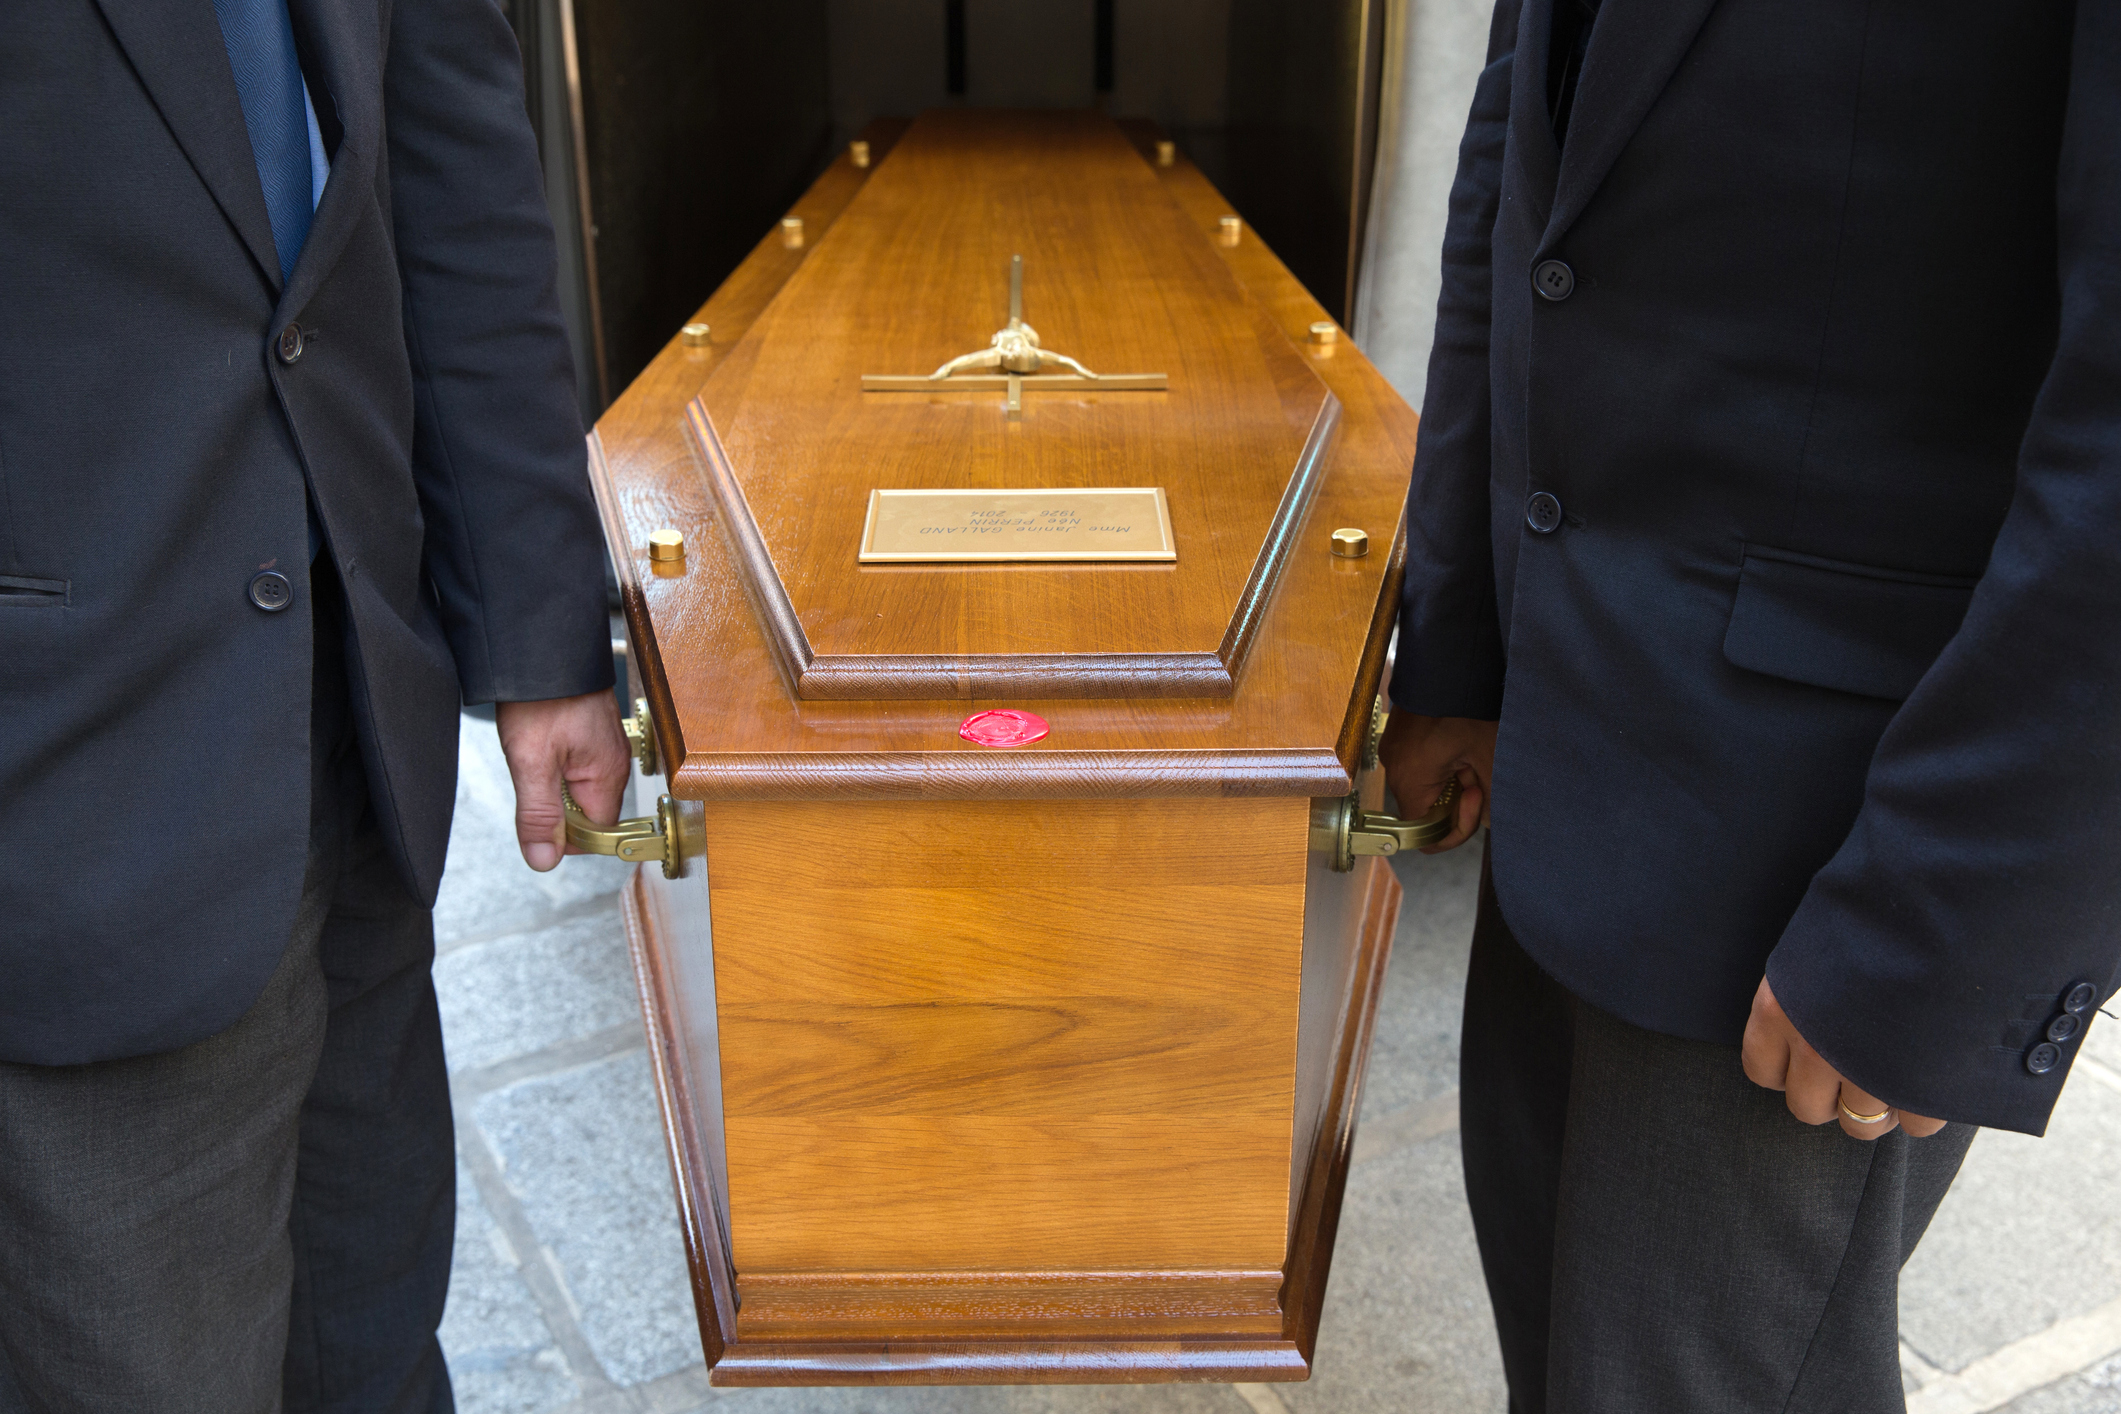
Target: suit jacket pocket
19	591
1854	628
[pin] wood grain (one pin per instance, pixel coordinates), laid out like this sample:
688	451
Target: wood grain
1059	1362
1008	1037
722	705
955	1306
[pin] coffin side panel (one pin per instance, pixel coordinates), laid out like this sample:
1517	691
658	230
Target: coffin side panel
683	1050
1324	1180
1336	922
1333	918
1008	1036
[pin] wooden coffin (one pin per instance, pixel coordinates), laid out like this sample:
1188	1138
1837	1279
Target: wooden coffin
1008	1065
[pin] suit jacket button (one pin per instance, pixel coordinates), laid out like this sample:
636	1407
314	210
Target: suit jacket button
1543	512
2063	1027
2080	999
289	345
271	592
2043	1058
1554	280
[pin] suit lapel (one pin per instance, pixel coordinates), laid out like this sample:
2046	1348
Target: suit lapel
1531	130
1635	46
178	54
333	31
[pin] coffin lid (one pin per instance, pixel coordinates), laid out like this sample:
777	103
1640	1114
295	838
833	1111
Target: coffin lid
914	272
769	588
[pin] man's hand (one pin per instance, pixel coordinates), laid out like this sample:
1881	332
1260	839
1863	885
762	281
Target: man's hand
1779	1059
571	739
1421	755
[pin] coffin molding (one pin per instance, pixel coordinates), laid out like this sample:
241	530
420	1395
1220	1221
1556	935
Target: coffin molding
879	676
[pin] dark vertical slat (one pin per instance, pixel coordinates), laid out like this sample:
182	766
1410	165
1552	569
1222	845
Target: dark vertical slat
1296	98
1103	42
703	120
954	47
1369	79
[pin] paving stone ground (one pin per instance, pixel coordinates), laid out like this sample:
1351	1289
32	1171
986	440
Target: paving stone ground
569	1294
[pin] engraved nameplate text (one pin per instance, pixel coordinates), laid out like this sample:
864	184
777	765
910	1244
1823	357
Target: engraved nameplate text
1074	523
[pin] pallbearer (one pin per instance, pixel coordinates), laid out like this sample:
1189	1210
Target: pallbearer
1784	480
1010	929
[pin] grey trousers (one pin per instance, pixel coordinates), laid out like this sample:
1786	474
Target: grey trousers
1659	1234
261	1220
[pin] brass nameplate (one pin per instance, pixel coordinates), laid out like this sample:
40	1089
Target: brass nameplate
1073	523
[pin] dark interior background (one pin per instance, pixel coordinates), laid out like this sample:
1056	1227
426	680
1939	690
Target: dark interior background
675	133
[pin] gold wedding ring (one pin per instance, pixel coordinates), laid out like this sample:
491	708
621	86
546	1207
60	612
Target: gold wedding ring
1863	1119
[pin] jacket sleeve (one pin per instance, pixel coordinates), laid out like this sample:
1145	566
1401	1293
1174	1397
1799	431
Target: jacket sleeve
1982	879
1450	659
514	547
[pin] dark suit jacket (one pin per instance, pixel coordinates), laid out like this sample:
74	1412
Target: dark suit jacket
1820	672
154	724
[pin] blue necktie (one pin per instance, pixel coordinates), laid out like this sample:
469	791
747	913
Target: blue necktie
261	49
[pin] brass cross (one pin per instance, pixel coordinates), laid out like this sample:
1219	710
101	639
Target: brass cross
1014	351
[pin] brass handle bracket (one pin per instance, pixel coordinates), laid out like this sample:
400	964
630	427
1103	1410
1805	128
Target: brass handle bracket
640	737
1347	832
650	838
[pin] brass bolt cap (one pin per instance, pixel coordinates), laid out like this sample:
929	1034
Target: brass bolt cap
694	335
858	153
1166	153
1350	543
1325	331
666	544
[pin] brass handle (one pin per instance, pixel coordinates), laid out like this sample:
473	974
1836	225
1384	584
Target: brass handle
1347	832
651	837
640	737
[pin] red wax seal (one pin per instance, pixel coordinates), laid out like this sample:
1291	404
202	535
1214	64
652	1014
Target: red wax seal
1004	726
